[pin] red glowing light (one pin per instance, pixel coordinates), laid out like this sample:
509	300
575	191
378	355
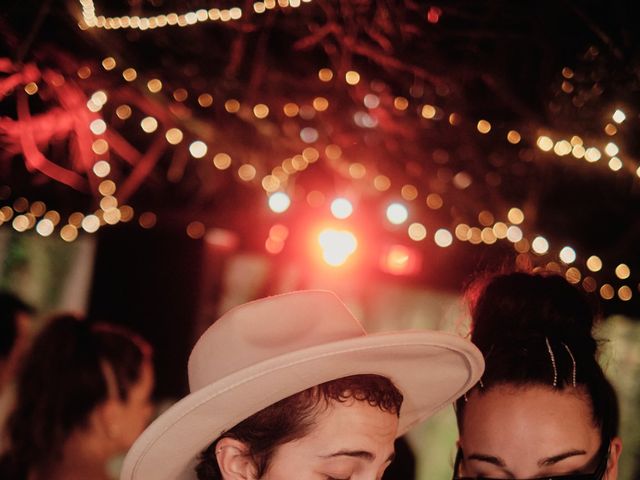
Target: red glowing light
400	260
433	15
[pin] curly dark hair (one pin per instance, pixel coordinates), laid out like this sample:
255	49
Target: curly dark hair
293	417
61	382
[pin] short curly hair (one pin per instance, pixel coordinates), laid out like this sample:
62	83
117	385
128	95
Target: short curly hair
293	417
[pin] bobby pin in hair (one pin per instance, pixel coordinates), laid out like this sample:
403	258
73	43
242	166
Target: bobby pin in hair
573	361
466	399
553	362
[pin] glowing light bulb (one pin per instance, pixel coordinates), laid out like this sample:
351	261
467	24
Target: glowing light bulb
341	208
443	238
619	116
514	234
544	143
594	263
279	202
567	255
397	213
98	126
611	149
198	149
417	232
337	246
540	245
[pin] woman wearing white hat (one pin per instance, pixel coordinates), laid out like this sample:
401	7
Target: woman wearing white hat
292	387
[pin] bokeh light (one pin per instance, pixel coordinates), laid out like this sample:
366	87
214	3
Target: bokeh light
540	245
337	246
623	271
417	232
341	208
594	263
279	202
567	255
101	168
443	237
618	116
397	213
515	216
198	149
514	234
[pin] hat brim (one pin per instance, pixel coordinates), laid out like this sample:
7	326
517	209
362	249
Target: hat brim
431	369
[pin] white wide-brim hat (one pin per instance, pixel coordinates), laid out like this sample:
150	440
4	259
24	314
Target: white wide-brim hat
264	351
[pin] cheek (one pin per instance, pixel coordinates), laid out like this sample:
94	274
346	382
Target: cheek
137	418
146	411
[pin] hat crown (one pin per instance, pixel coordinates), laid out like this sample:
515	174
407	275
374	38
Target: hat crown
269	328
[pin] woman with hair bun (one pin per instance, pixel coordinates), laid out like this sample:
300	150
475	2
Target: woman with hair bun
82	398
543	408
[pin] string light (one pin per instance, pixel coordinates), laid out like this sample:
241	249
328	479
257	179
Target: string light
91	20
567	255
198	149
618	116
279	202
461	180
417	232
341	208
352	77
397	213
489	234
443	238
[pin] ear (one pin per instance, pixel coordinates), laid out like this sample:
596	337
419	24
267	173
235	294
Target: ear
614	455
107	418
234	460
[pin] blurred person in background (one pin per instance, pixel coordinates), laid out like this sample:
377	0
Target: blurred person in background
15	337
82	397
543	408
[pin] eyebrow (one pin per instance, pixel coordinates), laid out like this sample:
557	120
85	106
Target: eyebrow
562	456
363	454
498	462
481	457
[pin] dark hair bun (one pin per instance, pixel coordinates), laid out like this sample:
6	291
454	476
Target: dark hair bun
519	309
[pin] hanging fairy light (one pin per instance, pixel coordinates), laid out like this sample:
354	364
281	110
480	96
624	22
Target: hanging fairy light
91	20
443	238
618	116
341	208
397	213
279	202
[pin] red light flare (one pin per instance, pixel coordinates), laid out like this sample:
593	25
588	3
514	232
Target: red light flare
433	15
400	260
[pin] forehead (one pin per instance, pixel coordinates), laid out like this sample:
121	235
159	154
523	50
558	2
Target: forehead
354	422
504	418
